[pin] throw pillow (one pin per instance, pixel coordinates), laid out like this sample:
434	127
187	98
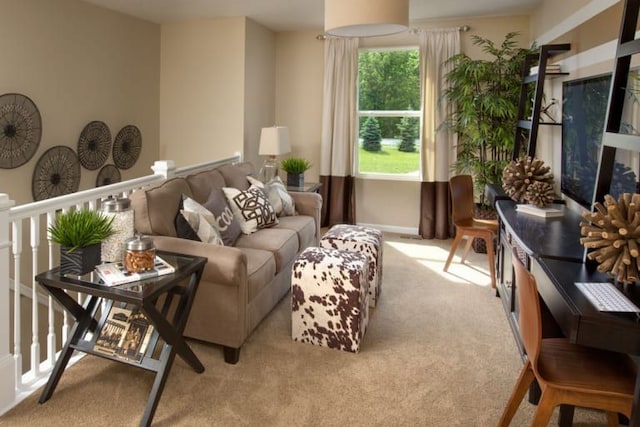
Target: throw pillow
278	195
226	223
201	220
184	230
251	207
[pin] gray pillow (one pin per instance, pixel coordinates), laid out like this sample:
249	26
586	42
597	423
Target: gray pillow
227	225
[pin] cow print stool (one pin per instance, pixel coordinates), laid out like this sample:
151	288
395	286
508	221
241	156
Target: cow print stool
361	239
330	298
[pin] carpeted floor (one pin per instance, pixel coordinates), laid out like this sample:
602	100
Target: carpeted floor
438	352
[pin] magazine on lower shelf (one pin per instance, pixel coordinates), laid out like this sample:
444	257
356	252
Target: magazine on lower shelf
124	334
115	273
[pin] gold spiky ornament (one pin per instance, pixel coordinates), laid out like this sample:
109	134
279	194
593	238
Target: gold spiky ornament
613	230
523	180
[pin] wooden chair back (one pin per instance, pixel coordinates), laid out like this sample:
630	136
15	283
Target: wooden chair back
462	201
529	317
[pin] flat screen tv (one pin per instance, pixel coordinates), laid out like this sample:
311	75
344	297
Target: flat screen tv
584	109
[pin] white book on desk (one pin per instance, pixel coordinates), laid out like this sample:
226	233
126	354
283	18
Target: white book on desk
546	212
115	273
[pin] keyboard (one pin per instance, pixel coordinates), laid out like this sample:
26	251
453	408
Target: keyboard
606	297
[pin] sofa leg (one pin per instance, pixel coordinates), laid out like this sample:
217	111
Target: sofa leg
231	355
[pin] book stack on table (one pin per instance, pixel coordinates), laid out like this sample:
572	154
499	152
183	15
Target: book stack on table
115	273
546	212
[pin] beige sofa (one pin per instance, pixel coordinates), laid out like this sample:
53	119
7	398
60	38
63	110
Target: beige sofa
241	284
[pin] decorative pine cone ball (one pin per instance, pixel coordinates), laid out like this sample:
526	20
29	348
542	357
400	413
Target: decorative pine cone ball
519	174
612	231
539	193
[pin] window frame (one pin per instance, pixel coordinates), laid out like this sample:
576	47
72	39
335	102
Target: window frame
387	113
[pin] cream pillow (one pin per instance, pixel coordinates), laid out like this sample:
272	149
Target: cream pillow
251	208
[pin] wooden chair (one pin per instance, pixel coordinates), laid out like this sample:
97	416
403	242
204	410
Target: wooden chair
568	374
462	205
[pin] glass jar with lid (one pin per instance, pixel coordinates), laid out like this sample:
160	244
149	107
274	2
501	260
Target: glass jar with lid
140	254
120	209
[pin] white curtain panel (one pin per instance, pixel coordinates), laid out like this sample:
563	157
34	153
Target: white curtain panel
438	144
339	110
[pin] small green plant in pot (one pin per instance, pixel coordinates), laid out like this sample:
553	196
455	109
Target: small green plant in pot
295	168
80	234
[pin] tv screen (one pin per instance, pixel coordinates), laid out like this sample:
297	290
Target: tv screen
584	110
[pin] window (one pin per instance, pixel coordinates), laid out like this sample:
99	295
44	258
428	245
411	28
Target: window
389	113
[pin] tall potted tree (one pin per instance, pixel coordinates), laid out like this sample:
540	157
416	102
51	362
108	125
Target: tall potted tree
485	93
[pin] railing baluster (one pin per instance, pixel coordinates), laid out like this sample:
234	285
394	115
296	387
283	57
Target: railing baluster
35	341
51	335
16	247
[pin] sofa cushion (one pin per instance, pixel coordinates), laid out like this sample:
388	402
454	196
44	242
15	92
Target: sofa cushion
236	175
225	221
202	183
304	226
156	208
282	243
251	208
261	269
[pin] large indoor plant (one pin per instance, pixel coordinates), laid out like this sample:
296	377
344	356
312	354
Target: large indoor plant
485	94
80	234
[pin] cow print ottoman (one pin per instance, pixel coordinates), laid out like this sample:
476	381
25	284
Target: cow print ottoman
361	239
330	298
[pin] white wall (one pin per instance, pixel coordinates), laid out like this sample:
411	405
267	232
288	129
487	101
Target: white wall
79	63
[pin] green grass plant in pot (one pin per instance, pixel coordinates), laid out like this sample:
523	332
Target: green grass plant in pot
80	234
295	168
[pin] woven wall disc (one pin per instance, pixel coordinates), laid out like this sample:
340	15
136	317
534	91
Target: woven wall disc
127	147
109	174
57	172
94	145
20	130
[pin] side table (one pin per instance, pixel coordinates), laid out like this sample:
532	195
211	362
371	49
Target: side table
307	187
165	301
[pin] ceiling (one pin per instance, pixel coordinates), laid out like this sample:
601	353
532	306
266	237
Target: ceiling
290	15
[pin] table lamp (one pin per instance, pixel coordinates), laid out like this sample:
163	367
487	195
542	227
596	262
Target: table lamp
273	142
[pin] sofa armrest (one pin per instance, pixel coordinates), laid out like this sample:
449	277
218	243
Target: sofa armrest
226	265
309	204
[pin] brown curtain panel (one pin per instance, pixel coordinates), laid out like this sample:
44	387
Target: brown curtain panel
338	200
435	211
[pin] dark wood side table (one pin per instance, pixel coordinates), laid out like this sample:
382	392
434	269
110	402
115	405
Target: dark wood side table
307	187
158	299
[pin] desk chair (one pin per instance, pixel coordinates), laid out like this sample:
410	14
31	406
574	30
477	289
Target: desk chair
568	374
462	205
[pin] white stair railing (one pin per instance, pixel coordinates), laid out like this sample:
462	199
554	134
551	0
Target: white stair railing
27	225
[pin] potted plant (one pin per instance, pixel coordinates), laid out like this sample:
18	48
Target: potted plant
295	168
485	93
80	234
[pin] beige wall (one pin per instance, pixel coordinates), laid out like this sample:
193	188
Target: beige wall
299	80
79	63
259	87
202	90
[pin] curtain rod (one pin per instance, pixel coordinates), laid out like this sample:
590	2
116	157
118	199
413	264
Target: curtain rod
463	28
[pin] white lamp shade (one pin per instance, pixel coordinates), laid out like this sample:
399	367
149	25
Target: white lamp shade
365	18
274	141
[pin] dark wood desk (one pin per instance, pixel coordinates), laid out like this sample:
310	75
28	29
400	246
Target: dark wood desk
551	250
165	301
